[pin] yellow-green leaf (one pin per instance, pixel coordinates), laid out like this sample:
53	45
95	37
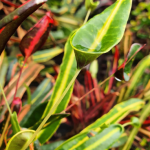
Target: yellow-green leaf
100	141
101	33
67	71
45	55
115	115
19	139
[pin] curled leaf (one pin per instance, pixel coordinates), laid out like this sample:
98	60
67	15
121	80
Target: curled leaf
19	140
101	33
89	4
135	122
36	36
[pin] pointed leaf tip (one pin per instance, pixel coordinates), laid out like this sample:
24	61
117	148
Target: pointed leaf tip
36	36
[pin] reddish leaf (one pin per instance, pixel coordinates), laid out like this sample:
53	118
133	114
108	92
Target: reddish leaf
9	3
36	36
11	24
29	5
89	86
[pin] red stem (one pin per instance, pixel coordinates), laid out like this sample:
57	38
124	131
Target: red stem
19	77
78	100
10	3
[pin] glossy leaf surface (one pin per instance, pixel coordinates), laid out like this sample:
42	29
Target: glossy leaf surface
121	141
51	146
51	120
12	24
33	120
19	11
113	116
62	81
45	55
36	36
19	139
117	113
99	141
101	33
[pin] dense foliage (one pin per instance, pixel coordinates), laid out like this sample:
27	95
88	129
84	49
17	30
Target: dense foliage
74	75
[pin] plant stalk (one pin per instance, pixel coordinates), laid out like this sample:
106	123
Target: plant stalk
144	114
87	16
19	77
5	100
51	111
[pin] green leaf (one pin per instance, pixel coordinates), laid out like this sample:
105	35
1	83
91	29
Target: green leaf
19	139
89	4
62	81
133	50
36	98
28	94
135	122
123	73
143	64
33	121
37	145
51	146
94	68
115	115
45	55
121	141
51	120
34	115
3	69
14	123
100	141
101	33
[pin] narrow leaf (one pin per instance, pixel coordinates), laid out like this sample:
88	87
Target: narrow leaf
62	81
45	55
3	68
14	123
